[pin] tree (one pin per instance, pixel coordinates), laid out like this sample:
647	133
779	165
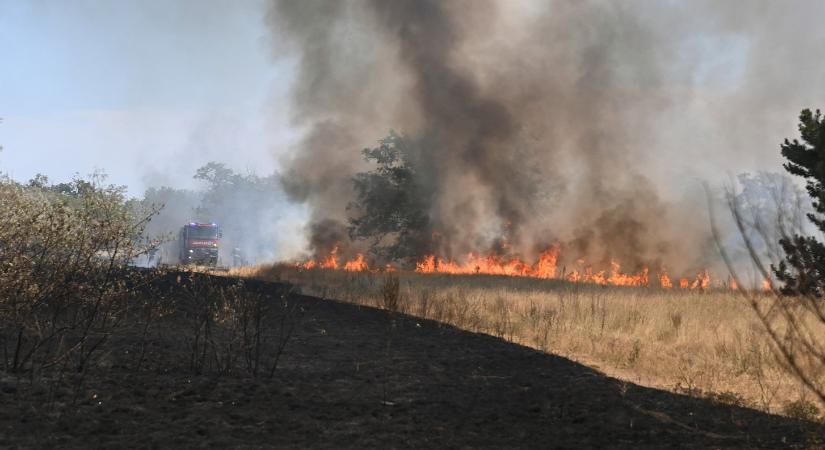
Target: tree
391	203
794	324
803	270
772	205
217	175
246	206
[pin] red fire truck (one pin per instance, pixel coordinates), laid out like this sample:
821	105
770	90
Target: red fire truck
199	244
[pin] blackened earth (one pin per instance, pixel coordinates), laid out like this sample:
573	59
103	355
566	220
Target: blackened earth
353	377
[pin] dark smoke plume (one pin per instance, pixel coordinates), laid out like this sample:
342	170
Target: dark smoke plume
557	121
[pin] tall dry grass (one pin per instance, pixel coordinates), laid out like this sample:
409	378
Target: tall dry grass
703	343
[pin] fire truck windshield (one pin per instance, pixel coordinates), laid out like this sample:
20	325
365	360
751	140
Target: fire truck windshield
203	232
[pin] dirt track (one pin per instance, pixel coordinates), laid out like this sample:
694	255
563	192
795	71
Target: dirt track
337	388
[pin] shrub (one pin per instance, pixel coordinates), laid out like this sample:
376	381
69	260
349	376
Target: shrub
63	272
802	410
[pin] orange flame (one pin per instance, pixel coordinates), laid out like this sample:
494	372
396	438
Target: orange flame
545	267
331	261
702	280
493	265
620	279
664	280
356	265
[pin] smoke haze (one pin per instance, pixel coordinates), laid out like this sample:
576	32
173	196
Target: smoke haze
589	123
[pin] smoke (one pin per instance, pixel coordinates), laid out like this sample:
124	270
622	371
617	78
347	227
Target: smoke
589	123
256	221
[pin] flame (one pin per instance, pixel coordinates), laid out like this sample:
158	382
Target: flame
767	285
702	280
356	265
620	279
546	266
331	262
733	284
664	280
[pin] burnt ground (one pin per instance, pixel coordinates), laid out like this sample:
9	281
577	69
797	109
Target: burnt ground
337	387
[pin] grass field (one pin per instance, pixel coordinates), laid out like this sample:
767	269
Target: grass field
701	343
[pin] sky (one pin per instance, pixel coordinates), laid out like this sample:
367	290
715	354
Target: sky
145	91
149	91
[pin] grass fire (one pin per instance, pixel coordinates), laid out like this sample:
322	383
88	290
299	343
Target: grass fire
412	224
546	268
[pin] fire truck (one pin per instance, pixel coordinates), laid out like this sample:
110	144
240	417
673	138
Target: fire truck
199	244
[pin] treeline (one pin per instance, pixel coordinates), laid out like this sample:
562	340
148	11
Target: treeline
246	206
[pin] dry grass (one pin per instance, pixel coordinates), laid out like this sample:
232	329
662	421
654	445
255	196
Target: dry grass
701	343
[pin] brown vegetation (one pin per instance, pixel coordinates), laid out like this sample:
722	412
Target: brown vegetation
69	295
340	385
703	343
94	347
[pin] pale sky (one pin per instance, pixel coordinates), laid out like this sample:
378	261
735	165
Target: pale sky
149	91
145	93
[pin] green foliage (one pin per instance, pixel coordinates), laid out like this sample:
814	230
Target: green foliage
391	203
803	270
217	175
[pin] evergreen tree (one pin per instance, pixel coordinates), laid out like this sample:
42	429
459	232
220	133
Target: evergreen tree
803	270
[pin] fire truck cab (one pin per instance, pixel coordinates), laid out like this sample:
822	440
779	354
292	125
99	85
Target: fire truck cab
199	244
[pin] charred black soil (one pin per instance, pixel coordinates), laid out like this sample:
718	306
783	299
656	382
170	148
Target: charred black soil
354	377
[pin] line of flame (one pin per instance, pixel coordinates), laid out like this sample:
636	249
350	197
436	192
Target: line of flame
546	267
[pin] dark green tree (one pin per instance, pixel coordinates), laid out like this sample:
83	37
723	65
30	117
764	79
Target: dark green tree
803	270
391	206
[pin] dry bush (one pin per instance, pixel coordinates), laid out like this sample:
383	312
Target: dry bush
246	313
707	343
199	307
793	316
802	409
391	302
391	294
73	305
63	276
231	329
